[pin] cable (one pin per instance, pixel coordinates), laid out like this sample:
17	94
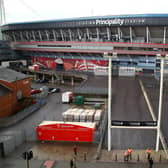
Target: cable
30	8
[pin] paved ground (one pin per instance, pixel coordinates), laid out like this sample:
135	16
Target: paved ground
17	163
93	85
152	87
60	155
128	104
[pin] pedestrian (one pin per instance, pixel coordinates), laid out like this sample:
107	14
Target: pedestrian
71	163
148	152
130	153
126	155
150	162
75	150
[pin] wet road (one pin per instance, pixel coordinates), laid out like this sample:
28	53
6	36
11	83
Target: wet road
152	87
128	104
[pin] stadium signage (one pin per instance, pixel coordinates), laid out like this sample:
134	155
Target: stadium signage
120	22
109	21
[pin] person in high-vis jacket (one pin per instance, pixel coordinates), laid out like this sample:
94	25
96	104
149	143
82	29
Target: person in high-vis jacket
148	152
126	155
130	153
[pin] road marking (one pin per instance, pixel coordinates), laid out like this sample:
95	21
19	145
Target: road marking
154	118
147	101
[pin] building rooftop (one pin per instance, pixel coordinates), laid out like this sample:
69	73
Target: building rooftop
3	90
11	75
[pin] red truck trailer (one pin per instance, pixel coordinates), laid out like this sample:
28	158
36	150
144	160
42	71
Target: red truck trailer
66	131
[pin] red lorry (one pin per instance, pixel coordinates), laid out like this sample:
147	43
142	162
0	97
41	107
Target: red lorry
66	131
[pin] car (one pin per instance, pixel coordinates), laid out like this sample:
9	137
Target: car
43	81
35	91
53	90
38	80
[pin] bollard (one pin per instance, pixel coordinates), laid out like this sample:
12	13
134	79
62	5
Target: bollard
138	158
84	156
160	158
116	157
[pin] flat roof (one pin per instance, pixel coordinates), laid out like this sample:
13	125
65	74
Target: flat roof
11	75
4	90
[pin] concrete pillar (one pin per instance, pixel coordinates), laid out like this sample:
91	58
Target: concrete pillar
43	76
72	81
52	79
62	79
35	76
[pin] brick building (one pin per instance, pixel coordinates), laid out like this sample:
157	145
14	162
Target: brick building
15	90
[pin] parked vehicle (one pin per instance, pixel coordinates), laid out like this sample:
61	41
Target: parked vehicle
54	90
67	97
43	81
35	91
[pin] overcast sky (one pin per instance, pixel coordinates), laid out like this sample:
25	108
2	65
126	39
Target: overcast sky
30	10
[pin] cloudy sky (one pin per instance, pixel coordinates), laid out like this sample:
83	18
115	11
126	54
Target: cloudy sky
32	10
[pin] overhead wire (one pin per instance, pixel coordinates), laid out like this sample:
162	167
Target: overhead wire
30	8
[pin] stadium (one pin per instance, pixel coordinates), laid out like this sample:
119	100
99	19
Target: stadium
80	43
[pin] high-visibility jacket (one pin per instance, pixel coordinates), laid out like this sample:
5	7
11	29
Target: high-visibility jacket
130	150
126	153
148	151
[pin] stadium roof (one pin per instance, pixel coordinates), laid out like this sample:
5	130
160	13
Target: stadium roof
98	17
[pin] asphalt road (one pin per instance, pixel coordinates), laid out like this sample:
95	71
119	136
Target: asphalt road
152	87
128	104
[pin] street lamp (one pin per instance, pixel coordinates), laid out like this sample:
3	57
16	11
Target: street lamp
107	55
162	58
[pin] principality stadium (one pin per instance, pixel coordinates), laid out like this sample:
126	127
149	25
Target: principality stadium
80	43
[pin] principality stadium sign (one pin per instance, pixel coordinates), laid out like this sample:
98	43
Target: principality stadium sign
119	21
109	21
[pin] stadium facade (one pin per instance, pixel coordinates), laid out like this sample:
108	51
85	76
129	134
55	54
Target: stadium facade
80	43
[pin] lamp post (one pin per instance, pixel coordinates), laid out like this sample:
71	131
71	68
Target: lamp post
162	58
107	55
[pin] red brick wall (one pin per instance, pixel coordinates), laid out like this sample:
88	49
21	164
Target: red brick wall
6	104
9	103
